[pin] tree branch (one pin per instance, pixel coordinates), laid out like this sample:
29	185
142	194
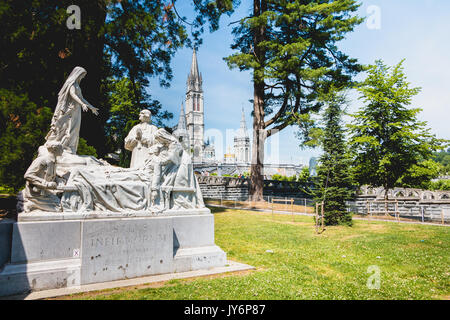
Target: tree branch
178	15
279	113
286	122
240	20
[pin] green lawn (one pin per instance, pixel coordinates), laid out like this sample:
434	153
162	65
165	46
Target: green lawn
413	260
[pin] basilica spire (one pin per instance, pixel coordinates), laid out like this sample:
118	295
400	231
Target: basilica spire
242	131
194	110
194	81
182	120
242	142
181	132
243	124
194	65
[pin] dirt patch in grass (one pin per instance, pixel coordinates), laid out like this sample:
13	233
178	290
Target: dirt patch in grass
327	271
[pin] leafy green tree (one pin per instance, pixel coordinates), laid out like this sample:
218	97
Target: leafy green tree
22	124
440	185
335	178
291	49
85	149
387	137
117	38
420	175
304	175
443	158
39	51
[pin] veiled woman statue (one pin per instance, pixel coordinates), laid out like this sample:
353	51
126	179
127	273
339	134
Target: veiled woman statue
66	121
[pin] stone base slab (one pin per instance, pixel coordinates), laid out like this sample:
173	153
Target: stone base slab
50	216
64	253
230	267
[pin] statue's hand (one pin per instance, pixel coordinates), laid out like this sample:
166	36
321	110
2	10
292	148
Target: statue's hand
138	134
94	110
84	107
51	185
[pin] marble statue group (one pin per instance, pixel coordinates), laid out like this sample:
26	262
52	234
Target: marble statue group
160	176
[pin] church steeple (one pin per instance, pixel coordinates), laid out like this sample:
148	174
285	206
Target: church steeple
242	142
181	132
194	80
194	110
242	131
182	120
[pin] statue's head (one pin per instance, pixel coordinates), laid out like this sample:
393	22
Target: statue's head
78	73
145	116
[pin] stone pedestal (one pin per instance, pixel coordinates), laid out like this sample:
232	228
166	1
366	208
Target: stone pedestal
51	251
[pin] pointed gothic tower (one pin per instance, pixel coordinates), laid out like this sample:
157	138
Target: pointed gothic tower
181	132
242	142
194	110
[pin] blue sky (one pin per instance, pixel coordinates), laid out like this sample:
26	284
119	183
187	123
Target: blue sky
414	30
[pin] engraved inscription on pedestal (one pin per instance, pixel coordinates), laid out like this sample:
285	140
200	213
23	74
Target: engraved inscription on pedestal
128	248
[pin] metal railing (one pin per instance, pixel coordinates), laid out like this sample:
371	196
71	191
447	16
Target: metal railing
290	205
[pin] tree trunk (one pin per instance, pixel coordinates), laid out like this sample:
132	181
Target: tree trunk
257	167
259	135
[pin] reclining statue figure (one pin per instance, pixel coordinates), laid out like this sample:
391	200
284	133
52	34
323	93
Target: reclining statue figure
166	181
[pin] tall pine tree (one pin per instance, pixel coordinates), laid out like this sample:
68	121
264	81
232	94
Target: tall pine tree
291	48
334	169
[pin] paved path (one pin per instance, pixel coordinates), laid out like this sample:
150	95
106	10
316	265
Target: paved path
311	215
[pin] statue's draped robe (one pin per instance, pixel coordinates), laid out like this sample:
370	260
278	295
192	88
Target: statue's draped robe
107	189
35	195
65	126
185	179
126	189
66	121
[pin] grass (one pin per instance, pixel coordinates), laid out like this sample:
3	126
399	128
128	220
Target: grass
413	259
